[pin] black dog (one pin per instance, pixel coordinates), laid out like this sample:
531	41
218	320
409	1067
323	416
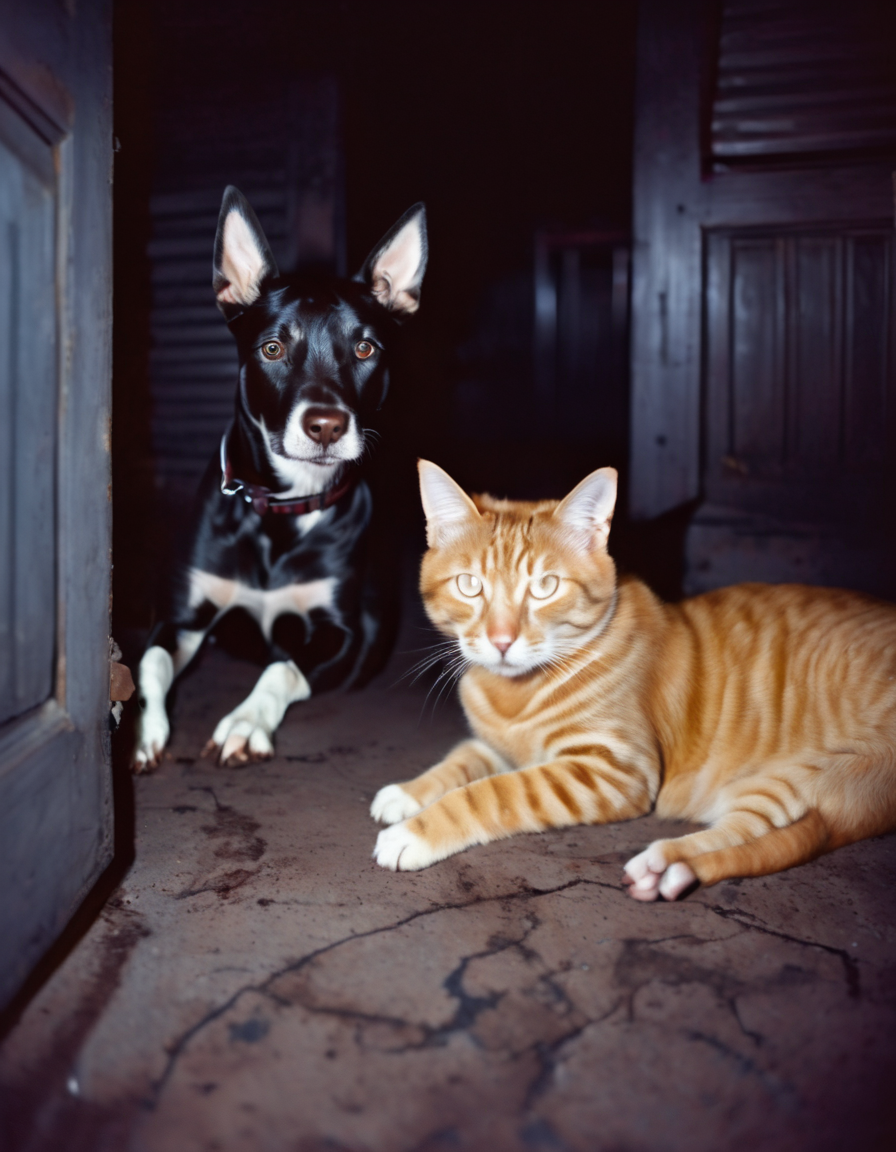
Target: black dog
284	515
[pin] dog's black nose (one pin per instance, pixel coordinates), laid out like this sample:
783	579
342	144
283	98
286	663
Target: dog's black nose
324	425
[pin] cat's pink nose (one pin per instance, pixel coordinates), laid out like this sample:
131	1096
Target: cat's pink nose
502	642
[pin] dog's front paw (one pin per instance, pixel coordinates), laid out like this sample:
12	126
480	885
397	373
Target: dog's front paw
402	850
152	736
238	741
392	804
648	876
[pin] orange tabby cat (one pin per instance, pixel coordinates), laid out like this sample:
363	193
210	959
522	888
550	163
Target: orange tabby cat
766	712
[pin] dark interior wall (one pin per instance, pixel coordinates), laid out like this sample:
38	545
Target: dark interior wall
503	118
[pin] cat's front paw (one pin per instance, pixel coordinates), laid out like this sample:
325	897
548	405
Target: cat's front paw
402	850
392	804
648	876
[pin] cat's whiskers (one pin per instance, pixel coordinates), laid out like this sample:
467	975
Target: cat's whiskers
448	677
445	649
435	654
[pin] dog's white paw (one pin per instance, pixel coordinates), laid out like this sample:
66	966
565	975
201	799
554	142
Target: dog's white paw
402	850
392	804
247	733
648	876
153	730
238	739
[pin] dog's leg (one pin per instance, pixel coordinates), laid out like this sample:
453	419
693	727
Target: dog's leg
247	732
162	662
305	656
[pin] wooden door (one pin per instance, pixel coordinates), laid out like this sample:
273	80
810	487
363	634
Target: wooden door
55	339
762	359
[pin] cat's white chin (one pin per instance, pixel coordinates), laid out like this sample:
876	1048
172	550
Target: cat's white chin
502	665
511	668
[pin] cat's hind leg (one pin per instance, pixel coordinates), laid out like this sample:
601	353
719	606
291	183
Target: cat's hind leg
853	797
783	848
751	810
470	760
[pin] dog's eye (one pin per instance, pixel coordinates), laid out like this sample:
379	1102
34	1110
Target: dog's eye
469	585
273	350
363	349
544	587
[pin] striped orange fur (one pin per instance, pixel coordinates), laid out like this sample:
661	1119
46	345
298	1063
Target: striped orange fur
767	713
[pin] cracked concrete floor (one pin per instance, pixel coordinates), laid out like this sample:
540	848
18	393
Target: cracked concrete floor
256	983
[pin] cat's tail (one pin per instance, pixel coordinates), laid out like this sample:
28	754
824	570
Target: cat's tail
781	848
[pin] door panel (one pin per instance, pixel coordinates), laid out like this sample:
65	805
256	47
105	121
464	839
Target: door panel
766	141
55	339
869	267
757	395
27	418
814	331
796	370
799	408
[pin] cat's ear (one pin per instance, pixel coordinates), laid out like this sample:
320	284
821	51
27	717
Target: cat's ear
588	510
447	507
243	257
394	269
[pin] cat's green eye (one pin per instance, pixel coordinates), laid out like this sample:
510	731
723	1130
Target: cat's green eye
469	585
544	586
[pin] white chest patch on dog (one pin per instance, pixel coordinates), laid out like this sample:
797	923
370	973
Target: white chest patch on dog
264	606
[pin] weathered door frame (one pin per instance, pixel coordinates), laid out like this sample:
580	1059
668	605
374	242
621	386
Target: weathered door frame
55	775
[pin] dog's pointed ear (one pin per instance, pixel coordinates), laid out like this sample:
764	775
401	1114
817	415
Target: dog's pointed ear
243	258
394	269
587	512
448	509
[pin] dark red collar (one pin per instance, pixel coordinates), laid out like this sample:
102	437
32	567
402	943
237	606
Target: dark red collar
263	500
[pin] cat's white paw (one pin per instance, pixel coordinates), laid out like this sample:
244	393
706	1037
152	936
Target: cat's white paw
402	850
676	879
648	876
392	804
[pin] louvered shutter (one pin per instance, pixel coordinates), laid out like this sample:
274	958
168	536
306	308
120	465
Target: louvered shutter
283	153
801	80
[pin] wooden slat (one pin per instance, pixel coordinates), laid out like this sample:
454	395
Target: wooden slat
756	386
193	363
867	351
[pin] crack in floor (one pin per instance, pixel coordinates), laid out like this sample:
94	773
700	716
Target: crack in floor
469	1007
548	1059
782	1092
754	924
177	1048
